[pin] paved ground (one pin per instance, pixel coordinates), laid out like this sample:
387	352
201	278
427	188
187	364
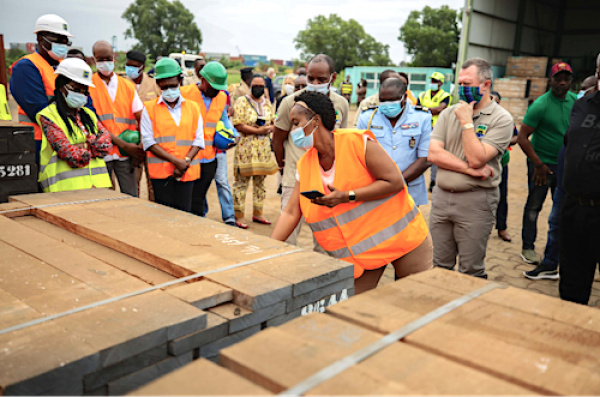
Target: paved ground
503	260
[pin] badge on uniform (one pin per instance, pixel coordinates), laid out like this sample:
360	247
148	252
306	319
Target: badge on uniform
376	127
411	142
409	125
480	131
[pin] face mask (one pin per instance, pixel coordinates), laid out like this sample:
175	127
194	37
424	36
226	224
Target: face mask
391	109
469	94
434	87
133	72
171	94
106	67
300	139
58	51
289	89
581	94
322	88
75	100
257	92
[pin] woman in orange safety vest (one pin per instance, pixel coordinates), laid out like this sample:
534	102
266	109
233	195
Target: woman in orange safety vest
353	197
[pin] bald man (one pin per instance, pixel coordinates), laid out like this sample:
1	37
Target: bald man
119	108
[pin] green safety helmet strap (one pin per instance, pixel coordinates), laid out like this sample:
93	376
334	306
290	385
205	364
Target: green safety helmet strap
165	68
215	74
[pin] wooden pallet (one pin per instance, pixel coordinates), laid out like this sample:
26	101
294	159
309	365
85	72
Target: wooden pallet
504	342
109	268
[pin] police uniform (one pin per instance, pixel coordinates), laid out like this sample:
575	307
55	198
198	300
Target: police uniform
405	142
579	220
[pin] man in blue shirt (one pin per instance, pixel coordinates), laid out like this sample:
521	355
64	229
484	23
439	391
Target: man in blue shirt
404	133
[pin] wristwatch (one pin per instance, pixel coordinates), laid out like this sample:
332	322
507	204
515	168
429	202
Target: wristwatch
351	196
467	127
188	160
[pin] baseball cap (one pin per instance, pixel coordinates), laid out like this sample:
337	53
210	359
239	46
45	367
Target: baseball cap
438	76
561	67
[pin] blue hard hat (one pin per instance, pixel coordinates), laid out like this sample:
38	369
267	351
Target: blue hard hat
223	137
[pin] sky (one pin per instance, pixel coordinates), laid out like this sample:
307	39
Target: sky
257	27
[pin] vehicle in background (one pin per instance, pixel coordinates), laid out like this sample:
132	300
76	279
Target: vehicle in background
186	61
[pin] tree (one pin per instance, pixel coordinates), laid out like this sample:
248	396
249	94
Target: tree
162	27
344	41
431	36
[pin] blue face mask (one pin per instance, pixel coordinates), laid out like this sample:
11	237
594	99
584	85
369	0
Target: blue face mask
469	94
300	139
391	109
133	72
321	88
58	51
433	86
581	94
171	94
75	100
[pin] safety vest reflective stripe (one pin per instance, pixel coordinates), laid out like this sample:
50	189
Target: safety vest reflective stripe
209	124
156	160
52	160
376	239
23	118
183	142
348	216
165	139
104	117
72	174
208	143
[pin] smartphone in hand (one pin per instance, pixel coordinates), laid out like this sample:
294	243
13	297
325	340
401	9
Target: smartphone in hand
312	194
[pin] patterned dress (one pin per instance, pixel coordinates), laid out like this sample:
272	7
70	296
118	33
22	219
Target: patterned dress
253	158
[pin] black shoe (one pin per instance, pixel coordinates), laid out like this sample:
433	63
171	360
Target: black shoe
279	189
542	272
431	185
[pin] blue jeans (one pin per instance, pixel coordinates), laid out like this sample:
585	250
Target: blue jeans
223	190
535	201
551	252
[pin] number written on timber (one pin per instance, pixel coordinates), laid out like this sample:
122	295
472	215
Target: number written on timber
14	171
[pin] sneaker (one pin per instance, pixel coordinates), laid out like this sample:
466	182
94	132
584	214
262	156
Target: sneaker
529	256
542	272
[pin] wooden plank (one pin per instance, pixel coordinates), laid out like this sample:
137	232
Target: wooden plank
545	356
296	350
45	359
216	328
33	282
201	378
213	349
131	326
515	298
127	264
202	294
101	378
89	270
240	318
14	311
140	378
14	210
307	271
36	199
412	371
325	293
253	290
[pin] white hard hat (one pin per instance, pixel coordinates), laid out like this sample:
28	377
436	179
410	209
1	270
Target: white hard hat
77	70
52	23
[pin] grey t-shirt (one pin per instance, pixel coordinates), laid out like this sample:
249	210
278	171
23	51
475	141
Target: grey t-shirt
494	126
283	122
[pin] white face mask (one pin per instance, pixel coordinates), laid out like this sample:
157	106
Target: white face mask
321	88
289	89
105	67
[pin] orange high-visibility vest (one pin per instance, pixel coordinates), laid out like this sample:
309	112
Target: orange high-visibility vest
210	117
369	234
115	116
48	77
176	140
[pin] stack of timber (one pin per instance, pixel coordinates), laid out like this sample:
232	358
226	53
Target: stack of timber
525	82
100	293
453	335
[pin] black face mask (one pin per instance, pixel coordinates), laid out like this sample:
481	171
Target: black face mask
257	92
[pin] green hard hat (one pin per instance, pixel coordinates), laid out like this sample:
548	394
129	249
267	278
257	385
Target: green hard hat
165	68
215	74
438	76
129	136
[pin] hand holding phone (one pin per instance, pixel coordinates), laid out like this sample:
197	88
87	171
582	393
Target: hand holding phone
312	194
